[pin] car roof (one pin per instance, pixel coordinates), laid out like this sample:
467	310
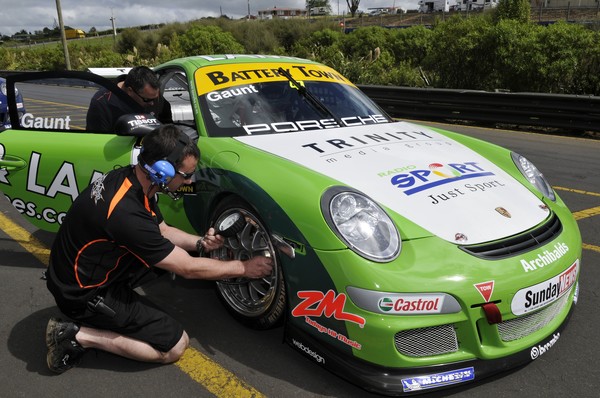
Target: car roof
200	61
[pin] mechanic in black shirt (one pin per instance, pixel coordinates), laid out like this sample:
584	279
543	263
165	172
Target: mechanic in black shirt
113	230
143	87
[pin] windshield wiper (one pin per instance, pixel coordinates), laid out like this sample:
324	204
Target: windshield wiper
320	106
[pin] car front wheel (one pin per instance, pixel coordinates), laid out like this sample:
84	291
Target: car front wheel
258	303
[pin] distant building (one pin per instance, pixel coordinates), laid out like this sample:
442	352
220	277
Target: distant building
284	13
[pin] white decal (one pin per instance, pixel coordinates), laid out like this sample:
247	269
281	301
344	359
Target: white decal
50	123
545	258
539	350
534	297
65	174
3	171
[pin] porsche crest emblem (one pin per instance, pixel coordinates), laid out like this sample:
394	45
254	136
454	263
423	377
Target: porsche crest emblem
502	211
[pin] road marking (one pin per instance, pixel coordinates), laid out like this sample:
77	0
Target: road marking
579	215
579	191
25	239
216	379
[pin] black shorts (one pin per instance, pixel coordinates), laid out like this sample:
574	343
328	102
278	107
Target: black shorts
135	317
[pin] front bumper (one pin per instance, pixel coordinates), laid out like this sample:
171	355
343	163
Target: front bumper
409	381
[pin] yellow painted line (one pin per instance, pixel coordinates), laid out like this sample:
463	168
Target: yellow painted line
58	104
25	239
216	379
591	247
579	215
577	191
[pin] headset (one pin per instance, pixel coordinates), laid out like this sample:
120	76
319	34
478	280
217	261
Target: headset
161	172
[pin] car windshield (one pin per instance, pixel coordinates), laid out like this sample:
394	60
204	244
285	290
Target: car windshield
279	106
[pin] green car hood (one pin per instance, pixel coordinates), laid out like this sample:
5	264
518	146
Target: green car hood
426	177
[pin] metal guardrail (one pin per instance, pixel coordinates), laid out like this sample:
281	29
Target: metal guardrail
573	112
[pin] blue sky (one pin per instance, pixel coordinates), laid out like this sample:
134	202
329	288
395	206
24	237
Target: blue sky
33	15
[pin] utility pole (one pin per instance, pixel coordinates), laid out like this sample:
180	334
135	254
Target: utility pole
112	20
63	37
248	10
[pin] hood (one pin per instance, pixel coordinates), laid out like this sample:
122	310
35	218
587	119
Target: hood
433	181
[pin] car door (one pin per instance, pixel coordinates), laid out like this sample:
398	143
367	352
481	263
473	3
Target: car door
48	156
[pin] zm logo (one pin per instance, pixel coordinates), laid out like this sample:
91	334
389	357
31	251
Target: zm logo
315	303
435	175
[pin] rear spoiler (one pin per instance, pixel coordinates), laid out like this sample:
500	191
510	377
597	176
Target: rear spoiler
109	73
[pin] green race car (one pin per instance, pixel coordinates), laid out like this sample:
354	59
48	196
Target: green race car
408	258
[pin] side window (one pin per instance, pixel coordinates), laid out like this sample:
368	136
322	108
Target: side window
175	90
58	101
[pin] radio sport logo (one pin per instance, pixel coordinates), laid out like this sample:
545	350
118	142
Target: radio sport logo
437	174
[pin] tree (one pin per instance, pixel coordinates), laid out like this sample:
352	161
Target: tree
353	6
316	4
518	10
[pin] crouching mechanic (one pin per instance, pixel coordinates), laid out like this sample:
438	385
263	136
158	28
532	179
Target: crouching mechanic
113	229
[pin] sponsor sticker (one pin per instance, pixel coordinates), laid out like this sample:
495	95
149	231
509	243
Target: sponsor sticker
317	304
485	289
540	349
546	258
220	77
534	297
409	305
308	351
437	174
438	379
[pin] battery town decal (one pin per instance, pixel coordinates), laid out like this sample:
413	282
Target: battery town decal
316	304
438	379
223	76
544	293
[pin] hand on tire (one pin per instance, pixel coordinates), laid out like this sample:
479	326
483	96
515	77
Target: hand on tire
258	267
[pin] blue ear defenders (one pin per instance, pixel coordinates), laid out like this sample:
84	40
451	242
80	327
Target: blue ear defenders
160	173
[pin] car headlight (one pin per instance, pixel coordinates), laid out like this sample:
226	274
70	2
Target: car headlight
534	176
3	89
361	224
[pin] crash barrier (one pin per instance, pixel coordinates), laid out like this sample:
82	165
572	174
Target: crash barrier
573	112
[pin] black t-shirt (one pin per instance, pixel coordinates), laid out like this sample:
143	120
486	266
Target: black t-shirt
110	233
106	108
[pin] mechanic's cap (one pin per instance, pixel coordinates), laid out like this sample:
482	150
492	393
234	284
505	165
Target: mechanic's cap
137	125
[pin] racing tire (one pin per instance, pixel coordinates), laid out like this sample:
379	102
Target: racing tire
257	303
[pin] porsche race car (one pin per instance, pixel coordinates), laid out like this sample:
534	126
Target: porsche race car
407	258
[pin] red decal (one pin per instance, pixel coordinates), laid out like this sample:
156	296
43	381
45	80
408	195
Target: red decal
486	289
317	304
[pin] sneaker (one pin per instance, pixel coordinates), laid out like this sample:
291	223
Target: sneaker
64	351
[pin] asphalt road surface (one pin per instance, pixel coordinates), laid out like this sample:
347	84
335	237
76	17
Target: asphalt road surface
229	360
